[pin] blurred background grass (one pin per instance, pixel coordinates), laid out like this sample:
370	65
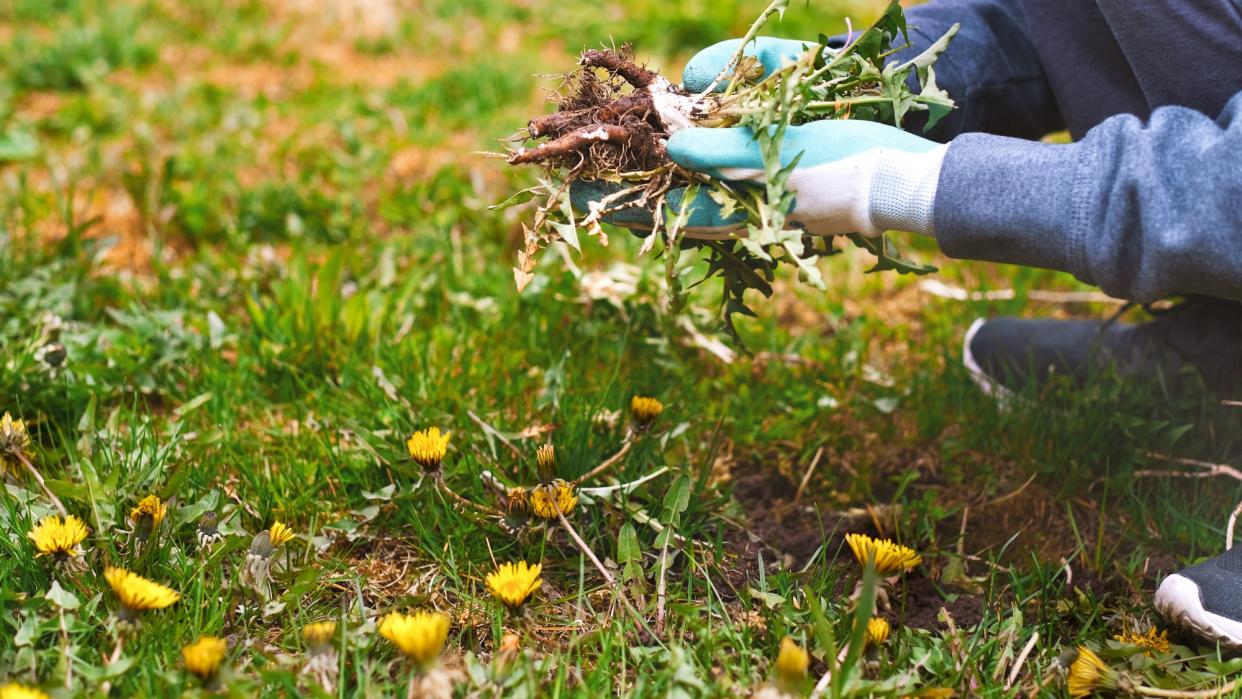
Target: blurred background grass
265	225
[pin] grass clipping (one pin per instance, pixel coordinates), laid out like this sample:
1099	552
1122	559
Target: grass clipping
614	117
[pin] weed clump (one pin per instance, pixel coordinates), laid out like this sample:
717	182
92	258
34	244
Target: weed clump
613	119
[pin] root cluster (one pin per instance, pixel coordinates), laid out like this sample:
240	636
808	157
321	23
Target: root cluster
607	120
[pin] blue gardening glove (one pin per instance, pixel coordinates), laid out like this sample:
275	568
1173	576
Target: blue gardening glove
707	64
851	177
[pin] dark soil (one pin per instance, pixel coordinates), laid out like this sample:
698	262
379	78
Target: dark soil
796	530
919	602
1157	568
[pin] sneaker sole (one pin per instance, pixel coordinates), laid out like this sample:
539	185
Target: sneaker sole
1004	397
1179	601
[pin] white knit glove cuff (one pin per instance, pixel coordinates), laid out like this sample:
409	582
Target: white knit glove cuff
903	190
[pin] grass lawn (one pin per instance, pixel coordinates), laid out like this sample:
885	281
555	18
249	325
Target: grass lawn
246	252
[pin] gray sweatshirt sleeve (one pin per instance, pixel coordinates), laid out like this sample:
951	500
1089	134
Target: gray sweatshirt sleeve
1142	210
992	70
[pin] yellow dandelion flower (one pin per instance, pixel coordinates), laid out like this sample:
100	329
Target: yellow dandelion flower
545	459
877	631
645	410
14	439
791	666
889	557
279	533
319	633
147	515
57	537
136	593
1088	674
1150	641
13	690
204	656
517	501
550	498
513	583
428	447
419	637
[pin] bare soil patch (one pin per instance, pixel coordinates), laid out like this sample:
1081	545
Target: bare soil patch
1009	518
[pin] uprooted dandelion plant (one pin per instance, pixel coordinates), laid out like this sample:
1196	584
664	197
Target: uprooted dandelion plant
614	117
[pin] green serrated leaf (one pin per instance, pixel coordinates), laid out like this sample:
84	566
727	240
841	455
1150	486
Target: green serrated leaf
677	499
61	597
628	550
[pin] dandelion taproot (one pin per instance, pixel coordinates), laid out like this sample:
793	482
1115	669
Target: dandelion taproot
137	594
428	447
420	637
645	410
204	657
877	631
279	533
13	690
514	583
551	499
60	539
889	557
1088	674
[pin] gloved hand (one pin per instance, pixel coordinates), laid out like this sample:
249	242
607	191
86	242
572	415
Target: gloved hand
703	68
852	176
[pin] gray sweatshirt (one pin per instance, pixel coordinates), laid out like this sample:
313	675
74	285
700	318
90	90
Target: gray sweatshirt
1148	201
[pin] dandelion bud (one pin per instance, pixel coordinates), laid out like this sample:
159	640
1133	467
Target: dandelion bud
645	410
147	515
545	459
517	501
257	569
52	355
208	530
14	439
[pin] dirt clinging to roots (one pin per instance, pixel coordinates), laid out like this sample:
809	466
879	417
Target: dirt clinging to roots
606	119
